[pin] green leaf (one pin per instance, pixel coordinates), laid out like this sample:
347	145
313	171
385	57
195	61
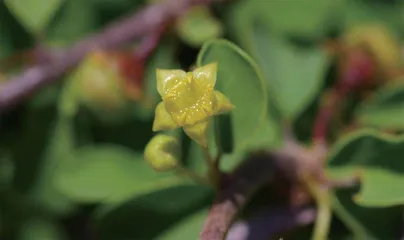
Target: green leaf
6	46
153	213
384	109
45	97
305	18
75	19
269	135
68	104
41	229
365	222
34	15
188	228
6	170
111	10
13	35
45	141
239	23
294	75
28	148
356	12
2	219
107	133
195	159
378	159
60	146
114	3
108	173
302	17
240	80
375	192
198	26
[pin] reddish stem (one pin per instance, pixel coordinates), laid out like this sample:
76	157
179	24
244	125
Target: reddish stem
326	114
357	73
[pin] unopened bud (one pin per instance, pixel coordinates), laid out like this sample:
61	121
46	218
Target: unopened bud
197	26
163	152
379	42
100	84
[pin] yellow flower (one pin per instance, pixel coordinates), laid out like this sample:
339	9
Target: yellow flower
189	101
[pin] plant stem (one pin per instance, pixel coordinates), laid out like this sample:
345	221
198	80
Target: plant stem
213	170
192	175
322	197
325	115
323	221
356	74
247	178
219	146
268	223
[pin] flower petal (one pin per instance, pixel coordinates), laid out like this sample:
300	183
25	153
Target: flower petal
162	119
168	78
206	75
198	132
222	104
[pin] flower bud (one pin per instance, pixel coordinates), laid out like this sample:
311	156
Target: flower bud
163	152
99	83
197	26
378	42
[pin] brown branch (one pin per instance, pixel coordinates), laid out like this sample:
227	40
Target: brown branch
247	178
292	161
290	164
325	115
149	43
117	34
270	222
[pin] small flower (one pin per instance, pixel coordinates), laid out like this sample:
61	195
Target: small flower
189	101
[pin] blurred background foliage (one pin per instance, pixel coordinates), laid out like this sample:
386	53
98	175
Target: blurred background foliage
71	156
